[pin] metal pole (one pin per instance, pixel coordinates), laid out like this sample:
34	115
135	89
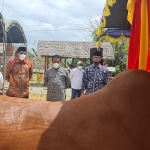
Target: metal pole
2	5
4	57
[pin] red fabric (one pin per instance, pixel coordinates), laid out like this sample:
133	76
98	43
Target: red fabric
148	60
136	0
134	45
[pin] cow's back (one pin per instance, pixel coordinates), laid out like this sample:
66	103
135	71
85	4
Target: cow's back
114	118
22	122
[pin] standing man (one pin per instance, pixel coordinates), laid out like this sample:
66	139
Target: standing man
95	76
76	80
57	79
71	66
18	73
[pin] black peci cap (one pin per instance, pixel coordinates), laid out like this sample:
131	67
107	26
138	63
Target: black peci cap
97	53
24	49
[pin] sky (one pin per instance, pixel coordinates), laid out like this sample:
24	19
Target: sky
56	20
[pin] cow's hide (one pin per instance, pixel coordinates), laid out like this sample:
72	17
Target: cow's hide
113	118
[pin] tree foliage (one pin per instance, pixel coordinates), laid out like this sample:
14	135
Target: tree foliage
120	54
30	56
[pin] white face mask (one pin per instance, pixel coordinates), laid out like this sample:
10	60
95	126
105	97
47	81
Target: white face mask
22	56
80	67
56	65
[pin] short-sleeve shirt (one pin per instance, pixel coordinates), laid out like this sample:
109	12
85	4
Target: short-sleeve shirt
57	81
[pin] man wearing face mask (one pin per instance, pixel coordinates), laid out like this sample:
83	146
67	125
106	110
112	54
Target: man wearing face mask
95	76
76	80
57	79
18	73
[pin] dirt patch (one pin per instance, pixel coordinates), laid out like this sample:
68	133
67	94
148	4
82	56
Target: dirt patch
37	96
41	96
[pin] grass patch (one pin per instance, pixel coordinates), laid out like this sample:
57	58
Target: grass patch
41	96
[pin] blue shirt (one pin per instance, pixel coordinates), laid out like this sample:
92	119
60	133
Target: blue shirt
94	78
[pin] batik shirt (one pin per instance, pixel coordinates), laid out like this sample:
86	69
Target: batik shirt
94	78
18	74
57	81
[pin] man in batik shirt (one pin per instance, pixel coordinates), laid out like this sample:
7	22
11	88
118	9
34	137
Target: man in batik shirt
18	73
95	76
57	79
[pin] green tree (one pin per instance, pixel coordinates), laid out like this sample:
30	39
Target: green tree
96	37
30	56
86	61
120	54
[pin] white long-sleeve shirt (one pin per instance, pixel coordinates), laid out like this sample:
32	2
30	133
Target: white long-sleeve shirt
76	78
1	80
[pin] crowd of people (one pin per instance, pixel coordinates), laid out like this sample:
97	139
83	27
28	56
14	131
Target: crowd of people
81	81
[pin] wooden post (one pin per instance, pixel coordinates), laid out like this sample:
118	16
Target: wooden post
45	65
47	62
72	60
45	68
65	63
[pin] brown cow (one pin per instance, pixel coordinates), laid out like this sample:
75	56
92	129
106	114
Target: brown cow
114	118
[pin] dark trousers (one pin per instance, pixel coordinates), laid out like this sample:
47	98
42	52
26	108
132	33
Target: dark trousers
75	93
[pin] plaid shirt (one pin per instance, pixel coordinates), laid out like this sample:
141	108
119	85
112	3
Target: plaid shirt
94	78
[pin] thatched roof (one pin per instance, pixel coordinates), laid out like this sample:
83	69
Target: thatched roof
108	51
72	49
